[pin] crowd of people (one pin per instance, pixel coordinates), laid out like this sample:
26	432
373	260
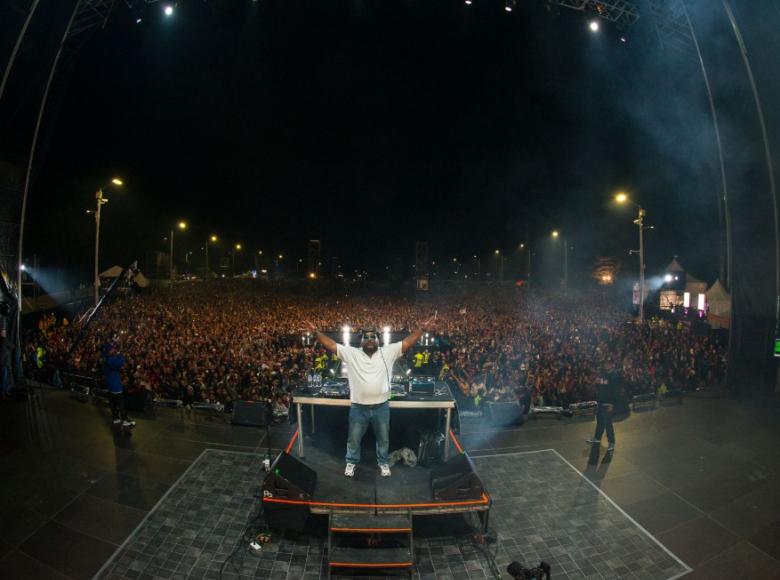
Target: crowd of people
231	340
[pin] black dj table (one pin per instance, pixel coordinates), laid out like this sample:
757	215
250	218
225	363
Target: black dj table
440	399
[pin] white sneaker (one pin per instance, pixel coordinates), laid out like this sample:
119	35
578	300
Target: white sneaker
117	421
128	424
350	470
385	470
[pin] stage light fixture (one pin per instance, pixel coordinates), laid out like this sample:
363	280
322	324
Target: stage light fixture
468	2
138	20
594	26
509	5
668	278
168	10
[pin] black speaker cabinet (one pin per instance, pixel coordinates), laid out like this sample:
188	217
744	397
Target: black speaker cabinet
289	479
250	413
456	480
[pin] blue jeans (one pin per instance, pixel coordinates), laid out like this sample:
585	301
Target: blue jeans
359	418
604	420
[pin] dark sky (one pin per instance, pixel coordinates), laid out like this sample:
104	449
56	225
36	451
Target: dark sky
373	124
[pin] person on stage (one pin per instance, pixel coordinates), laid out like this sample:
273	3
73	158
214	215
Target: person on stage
606	397
369	370
113	361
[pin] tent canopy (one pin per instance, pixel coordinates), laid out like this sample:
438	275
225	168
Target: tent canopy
112	272
719	300
674	266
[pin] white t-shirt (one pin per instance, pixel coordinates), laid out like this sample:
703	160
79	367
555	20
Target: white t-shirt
369	376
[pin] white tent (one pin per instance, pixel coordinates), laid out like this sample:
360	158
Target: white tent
112	272
141	280
719	300
695	287
674	267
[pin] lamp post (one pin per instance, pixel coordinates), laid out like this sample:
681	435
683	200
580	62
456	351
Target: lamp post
212	240
528	262
99	202
182	226
500	265
556	234
640	222
236	248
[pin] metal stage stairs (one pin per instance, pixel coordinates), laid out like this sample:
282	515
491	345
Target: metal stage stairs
370	541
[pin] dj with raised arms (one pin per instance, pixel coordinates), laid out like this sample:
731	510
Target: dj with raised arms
369	369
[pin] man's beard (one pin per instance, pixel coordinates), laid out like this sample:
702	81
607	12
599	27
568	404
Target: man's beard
370	348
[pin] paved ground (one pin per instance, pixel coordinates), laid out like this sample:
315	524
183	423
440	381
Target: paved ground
702	478
543	510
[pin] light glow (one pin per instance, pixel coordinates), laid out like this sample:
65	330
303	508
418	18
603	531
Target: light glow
594	26
621	197
117	181
168	10
668	278
687	299
702	302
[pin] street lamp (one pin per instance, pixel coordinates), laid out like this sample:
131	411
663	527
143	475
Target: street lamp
500	265
182	226
528	262
236	248
212	240
99	202
622	197
556	234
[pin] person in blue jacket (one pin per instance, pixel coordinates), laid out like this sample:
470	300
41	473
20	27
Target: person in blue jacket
113	361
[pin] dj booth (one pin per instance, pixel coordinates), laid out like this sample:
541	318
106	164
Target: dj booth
371	519
419	393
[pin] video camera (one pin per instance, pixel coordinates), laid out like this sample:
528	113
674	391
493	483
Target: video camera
519	572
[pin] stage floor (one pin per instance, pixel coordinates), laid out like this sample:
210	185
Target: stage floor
544	509
701	477
408	488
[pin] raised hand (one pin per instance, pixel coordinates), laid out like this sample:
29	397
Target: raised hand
429	324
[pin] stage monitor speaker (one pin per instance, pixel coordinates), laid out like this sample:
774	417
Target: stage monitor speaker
289	479
249	413
456	480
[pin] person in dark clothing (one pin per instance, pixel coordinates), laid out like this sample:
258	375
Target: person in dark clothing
113	361
606	397
6	364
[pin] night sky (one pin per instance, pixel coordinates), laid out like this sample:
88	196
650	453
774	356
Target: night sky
372	124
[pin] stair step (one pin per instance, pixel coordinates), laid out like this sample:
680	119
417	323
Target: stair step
369	523
343	557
